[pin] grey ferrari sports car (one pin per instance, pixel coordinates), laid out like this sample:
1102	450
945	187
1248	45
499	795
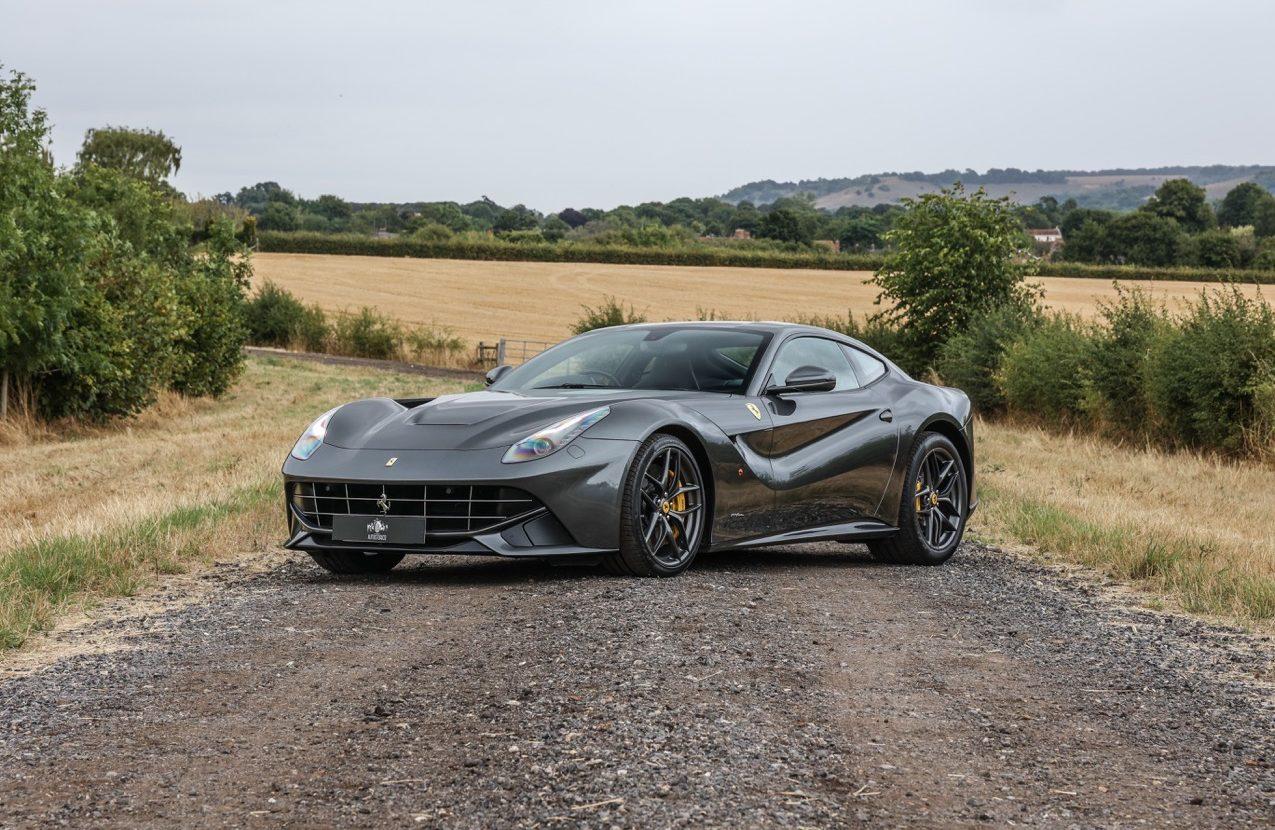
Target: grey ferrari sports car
639	446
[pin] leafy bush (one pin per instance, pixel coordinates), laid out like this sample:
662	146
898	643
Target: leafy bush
611	312
1218	249
434	344
210	350
103	299
1264	257
1143	238
273	316
432	232
312	331
955	255
1121	350
1208	379
1043	372
367	333
971	359
1260	433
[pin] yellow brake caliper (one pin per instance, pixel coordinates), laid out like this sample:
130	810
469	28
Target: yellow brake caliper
679	503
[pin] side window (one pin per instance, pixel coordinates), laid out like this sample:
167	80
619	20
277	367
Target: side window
867	367
813	351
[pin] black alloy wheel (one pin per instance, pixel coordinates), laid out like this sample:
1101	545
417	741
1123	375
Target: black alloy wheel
934	506
939	501
662	524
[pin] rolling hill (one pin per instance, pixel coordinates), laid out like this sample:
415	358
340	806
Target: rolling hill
1119	189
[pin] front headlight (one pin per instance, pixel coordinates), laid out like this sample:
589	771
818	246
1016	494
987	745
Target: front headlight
554	437
313	436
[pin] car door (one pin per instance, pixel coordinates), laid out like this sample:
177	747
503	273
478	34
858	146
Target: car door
831	452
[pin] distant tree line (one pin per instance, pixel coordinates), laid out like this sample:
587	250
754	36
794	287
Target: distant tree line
1175	225
785	224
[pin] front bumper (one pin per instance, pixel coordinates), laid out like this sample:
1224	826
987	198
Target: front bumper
580	488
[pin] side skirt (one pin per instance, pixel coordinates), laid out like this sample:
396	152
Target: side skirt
857	531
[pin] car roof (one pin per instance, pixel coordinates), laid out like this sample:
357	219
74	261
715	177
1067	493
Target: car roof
771	326
774	327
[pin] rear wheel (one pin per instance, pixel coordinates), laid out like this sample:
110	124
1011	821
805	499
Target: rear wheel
664	513
934	509
355	561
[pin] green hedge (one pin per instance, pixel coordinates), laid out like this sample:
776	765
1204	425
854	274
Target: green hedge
275	317
1184	273
498	250
1203	378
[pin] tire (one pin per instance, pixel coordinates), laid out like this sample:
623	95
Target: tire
355	562
927	536
664	513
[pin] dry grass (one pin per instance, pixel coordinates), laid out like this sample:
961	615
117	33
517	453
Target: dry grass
540	300
99	510
1198	530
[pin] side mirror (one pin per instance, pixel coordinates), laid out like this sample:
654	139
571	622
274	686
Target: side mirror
498	373
806	379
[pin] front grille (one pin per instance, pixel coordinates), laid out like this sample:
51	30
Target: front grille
447	508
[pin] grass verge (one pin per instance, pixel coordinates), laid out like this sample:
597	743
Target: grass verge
185	481
1185	571
1196	530
39	580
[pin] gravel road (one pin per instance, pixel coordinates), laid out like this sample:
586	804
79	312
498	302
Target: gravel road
804	686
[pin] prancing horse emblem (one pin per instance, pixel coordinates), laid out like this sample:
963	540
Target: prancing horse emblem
383	502
390	463
752	407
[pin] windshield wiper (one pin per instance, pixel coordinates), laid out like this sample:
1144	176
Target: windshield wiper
576	386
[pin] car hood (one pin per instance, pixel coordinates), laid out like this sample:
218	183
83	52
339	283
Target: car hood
470	421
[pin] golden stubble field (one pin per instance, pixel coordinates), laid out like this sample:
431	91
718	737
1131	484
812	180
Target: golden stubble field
540	300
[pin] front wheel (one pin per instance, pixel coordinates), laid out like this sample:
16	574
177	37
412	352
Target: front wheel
663	516
355	561
934	509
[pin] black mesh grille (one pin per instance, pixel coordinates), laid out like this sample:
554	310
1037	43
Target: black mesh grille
448	508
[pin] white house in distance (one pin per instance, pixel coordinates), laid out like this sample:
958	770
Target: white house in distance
1048	236
1047	240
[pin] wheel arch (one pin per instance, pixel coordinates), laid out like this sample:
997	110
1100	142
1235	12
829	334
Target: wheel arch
948	428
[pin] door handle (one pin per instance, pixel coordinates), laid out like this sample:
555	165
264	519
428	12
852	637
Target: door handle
886	415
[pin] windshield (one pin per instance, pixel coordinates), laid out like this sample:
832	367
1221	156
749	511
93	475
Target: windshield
703	359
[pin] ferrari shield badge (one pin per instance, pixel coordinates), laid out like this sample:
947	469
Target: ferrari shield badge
752	407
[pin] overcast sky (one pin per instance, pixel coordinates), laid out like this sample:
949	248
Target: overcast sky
599	103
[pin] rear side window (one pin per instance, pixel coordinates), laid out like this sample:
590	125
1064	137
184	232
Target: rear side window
867	367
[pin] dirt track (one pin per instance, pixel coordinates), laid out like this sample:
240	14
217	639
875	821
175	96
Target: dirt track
803	687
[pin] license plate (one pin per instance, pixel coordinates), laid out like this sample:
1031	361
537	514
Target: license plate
382	530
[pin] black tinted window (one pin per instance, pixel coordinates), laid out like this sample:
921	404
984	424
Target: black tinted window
867	367
705	359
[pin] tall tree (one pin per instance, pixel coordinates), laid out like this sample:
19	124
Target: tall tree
1240	206
1183	202
1143	238
42	242
143	154
954	256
